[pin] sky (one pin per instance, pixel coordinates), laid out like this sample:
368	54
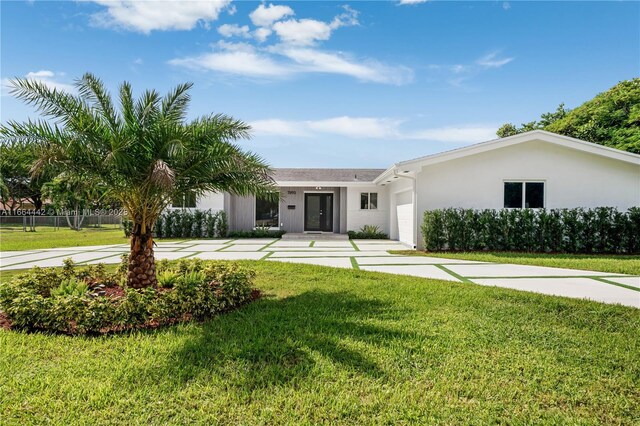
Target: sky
334	84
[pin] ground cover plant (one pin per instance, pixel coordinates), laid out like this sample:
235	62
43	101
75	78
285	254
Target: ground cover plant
368	232
90	300
616	264
598	230
336	346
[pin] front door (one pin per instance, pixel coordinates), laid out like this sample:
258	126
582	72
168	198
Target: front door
318	212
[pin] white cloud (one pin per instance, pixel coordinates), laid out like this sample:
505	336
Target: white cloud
151	15
491	60
313	60
278	127
372	128
506	5
230	30
266	16
235	58
304	32
49	78
294	54
408	2
281	61
261	34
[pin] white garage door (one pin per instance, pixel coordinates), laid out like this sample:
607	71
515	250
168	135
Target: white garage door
404	207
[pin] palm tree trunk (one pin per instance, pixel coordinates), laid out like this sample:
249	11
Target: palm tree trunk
142	268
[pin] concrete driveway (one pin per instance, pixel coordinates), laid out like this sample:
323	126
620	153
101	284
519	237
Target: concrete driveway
369	255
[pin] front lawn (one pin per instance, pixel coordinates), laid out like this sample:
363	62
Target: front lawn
47	237
342	346
617	264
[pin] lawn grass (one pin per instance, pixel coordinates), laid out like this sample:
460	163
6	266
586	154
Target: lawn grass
342	346
616	264
46	237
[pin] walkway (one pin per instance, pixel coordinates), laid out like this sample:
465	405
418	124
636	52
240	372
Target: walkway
369	255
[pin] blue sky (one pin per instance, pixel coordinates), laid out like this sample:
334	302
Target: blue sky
335	84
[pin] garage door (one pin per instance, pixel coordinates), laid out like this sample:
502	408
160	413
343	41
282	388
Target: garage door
404	207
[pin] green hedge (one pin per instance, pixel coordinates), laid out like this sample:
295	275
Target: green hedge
192	224
598	230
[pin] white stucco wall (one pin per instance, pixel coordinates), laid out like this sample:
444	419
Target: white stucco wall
572	179
211	200
357	218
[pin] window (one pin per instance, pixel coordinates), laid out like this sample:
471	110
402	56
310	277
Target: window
518	195
368	200
184	201
267	212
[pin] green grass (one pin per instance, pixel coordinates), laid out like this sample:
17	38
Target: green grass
46	237
616	264
342	346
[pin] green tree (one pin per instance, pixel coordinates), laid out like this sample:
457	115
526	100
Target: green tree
611	118
16	183
546	119
144	151
73	195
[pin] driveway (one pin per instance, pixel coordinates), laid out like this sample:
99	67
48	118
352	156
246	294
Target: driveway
369	255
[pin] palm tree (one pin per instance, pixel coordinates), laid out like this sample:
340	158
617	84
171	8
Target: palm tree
145	152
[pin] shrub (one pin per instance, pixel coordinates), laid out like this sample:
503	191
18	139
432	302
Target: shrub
598	230
61	300
71	287
368	232
191	224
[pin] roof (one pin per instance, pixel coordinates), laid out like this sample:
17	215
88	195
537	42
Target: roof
534	135
326	175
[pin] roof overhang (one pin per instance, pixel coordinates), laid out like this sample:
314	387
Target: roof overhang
417	164
321	183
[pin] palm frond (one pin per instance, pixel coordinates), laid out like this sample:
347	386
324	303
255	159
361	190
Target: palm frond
92	88
174	104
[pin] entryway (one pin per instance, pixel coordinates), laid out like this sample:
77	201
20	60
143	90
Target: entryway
318	212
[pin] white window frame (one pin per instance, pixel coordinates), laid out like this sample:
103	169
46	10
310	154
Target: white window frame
524	192
369	200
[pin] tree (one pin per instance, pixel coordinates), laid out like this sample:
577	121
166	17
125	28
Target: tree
16	182
611	118
73	195
546	119
144	151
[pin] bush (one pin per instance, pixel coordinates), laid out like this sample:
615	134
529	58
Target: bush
598	230
191	224
368	232
65	300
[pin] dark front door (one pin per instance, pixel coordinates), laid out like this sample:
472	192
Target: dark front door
318	212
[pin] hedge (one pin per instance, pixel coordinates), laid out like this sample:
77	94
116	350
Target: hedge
597	230
192	224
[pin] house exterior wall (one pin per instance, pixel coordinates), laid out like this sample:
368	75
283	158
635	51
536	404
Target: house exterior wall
211	201
357	218
242	210
572	179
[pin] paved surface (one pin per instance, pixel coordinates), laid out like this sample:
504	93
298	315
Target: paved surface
370	255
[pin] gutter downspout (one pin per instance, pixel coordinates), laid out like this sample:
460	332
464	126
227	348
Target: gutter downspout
414	189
